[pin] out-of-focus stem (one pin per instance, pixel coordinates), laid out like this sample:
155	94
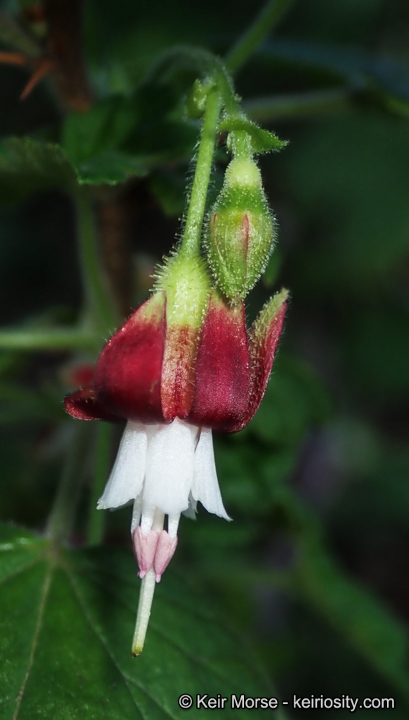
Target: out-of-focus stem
50	339
254	36
64	42
101	467
115	220
265	109
61	519
99	302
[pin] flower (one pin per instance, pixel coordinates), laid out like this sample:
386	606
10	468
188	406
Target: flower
181	366
165	469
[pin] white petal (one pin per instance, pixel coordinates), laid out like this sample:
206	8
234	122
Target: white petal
192	509
169	467
205	486
125	481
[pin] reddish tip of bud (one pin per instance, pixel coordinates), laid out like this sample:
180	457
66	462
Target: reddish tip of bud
245	224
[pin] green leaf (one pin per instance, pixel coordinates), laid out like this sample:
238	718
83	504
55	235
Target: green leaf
124	136
66	624
100	129
261	140
110	168
27	165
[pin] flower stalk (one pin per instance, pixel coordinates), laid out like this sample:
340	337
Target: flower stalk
197	204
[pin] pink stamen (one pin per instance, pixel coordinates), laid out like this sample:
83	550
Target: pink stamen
164	553
145	549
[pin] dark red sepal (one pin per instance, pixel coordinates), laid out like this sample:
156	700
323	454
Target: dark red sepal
263	341
128	372
222	368
84	405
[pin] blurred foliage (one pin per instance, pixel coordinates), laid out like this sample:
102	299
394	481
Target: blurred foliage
314	568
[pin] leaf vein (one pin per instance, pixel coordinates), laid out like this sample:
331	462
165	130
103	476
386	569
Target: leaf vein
19	570
41	608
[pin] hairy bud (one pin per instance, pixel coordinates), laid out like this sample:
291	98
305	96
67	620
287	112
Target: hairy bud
241	230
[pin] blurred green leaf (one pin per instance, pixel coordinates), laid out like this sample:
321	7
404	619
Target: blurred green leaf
124	136
361	69
273	268
169	187
356	613
13	34
377	351
382	639
295	401
350	177
101	129
110	168
27	165
21	404
67	619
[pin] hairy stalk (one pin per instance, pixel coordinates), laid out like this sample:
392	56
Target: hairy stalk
257	32
193	226
99	302
102	459
61	519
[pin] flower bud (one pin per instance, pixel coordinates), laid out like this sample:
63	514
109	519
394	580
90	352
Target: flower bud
241	230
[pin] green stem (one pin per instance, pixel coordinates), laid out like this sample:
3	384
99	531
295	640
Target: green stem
53	339
61	519
103	446
193	227
98	297
254	36
265	109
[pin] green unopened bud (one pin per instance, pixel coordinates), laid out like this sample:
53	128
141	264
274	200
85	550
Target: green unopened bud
241	230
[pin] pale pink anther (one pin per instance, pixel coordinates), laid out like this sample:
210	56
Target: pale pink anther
145	549
164	553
